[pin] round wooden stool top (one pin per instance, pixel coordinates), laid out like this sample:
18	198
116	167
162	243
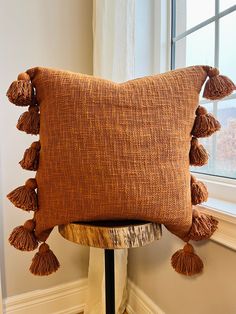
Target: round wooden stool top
112	234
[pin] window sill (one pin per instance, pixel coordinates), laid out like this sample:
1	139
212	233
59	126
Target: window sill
225	213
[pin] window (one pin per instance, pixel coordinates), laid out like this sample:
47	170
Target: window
202	32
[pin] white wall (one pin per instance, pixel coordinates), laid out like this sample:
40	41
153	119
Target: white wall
55	33
212	292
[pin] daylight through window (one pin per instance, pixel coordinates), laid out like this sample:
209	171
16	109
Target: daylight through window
203	33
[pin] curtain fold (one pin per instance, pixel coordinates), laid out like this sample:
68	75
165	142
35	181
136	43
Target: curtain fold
113	39
113	58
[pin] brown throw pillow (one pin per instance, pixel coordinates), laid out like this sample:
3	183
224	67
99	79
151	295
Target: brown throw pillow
111	151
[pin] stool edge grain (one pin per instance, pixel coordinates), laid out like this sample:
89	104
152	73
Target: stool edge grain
112	237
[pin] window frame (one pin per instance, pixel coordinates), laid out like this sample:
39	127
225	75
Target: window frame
215	18
174	38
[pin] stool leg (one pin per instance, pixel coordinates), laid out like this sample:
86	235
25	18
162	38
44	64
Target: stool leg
110	281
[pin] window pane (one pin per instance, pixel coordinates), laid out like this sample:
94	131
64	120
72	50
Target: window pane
196	48
199	48
222	146
189	13
225	4
226	139
227	55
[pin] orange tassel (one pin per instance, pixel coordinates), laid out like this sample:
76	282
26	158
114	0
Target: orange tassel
205	124
217	86
44	262
199	193
25	197
29	121
186	262
203	226
198	156
23	237
30	160
21	92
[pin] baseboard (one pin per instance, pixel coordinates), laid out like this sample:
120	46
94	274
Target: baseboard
139	302
67	298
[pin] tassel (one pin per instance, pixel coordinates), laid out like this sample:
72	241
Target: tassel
25	197
199	193
203	226
186	262
205	124
217	86
21	92
23	237
44	262
29	121
198	156
30	160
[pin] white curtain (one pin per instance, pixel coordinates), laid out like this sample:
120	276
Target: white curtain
114	47
113	56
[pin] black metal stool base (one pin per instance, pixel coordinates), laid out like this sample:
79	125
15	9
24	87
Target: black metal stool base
110	281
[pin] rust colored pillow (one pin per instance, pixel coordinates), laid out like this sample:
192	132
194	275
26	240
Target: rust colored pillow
111	151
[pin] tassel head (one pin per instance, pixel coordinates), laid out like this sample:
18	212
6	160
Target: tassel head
201	111
44	262
36	145
186	262
31	184
23	77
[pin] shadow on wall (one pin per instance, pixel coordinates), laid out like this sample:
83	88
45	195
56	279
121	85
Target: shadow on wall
150	269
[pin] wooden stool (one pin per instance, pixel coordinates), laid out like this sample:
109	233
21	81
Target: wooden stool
110	235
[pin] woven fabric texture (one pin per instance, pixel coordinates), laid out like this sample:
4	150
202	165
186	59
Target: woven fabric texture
115	151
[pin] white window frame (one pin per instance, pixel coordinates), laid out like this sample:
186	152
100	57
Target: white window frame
179	15
222	191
